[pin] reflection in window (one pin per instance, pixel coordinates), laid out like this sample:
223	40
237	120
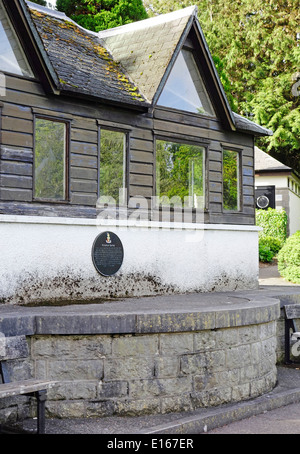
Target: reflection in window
180	174
113	165
50	160
184	89
12	58
231	180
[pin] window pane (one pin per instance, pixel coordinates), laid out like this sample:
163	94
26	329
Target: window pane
230	180
12	58
184	88
50	159
112	164
180	173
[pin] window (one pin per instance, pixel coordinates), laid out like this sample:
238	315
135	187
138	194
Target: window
12	57
180	173
113	165
184	88
231	189
50	163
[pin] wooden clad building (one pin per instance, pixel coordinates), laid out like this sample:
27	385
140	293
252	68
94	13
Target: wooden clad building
132	121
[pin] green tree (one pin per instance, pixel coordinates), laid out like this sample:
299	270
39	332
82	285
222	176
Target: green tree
98	15
180	173
258	45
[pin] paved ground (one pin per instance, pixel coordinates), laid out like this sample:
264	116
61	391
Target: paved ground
277	412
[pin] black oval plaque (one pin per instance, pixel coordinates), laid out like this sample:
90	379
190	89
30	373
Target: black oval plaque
107	253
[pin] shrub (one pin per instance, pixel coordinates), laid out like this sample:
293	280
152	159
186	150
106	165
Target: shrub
268	248
273	243
289	259
273	235
273	222
265	253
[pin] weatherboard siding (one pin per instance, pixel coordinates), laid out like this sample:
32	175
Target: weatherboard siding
26	98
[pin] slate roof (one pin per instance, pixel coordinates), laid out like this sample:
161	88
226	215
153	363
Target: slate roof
124	65
146	48
80	61
265	162
245	125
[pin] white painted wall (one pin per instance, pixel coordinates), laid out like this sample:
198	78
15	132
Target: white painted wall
294	224
50	258
280	181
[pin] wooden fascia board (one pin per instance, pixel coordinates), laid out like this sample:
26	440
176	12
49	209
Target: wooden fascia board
223	106
224	109
28	34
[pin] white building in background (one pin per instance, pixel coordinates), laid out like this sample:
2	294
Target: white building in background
277	186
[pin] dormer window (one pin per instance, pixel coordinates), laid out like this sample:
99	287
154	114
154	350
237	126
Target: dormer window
12	57
184	89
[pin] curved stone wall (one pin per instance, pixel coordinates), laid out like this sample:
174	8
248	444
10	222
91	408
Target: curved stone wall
155	373
150	355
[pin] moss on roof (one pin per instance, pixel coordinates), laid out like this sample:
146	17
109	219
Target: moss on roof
81	62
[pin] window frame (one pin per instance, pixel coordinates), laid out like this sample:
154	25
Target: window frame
126	158
190	48
228	147
184	141
67	124
31	76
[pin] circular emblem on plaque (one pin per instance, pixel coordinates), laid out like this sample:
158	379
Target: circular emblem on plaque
262	201
107	253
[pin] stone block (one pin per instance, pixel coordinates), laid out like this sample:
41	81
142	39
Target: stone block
74	390
100	408
137	345
241	392
205	340
136	407
159	387
226	338
204	382
176	344
174	404
247	334
75	370
193	364
128	368
237	356
112	389
166	366
14	347
76	347
219	396
85	324
216	360
66	409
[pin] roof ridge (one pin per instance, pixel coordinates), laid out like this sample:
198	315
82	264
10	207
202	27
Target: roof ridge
151	21
57	15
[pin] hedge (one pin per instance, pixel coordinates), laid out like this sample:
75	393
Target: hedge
273	235
273	222
289	259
